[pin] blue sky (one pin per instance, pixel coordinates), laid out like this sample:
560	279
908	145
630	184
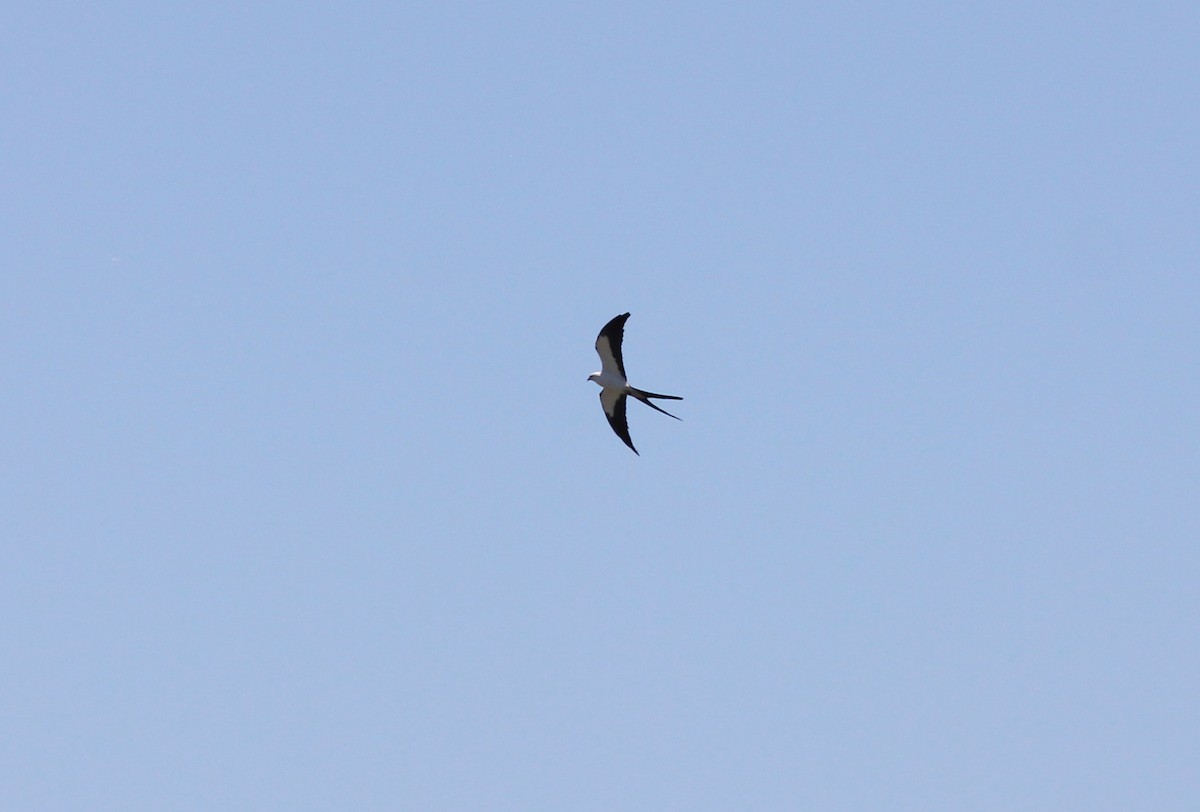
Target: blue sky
307	503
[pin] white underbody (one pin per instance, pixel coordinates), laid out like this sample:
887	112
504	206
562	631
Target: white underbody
609	380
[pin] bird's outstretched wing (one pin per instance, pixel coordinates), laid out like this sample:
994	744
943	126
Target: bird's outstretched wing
608	346
614	409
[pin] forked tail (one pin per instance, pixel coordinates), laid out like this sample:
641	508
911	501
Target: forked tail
644	397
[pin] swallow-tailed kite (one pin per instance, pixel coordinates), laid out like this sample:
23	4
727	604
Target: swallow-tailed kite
614	387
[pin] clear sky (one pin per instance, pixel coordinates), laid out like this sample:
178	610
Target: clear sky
306	502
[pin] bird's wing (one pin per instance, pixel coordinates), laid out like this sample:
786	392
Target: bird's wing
608	346
614	402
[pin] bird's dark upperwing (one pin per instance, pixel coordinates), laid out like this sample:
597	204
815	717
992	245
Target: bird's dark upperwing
608	346
613	403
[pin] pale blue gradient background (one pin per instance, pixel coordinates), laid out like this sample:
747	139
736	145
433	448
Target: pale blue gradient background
306	502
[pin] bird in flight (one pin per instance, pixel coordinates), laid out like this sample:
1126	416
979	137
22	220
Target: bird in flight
614	387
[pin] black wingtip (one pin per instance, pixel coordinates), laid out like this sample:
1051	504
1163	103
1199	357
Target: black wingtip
615	323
